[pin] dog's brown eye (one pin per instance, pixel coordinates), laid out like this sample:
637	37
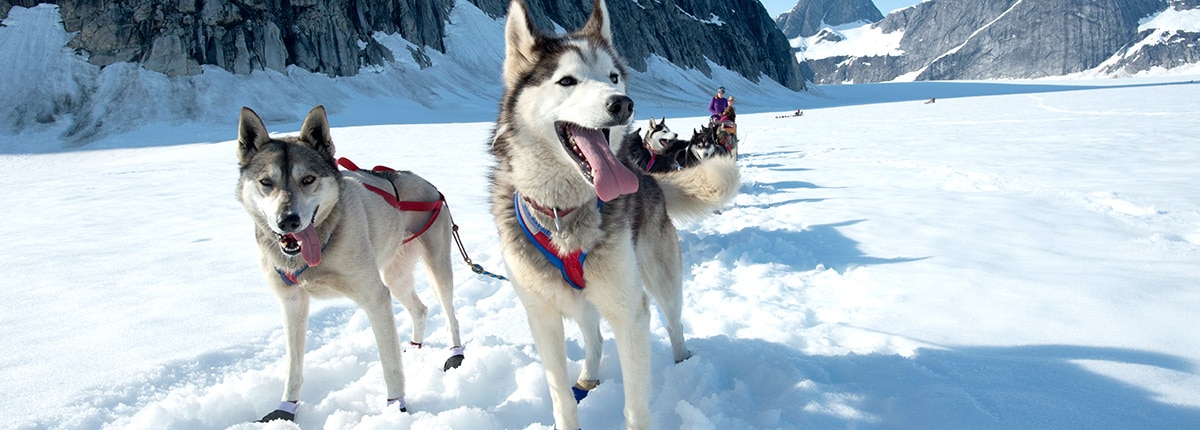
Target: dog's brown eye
308	180
266	182
568	81
614	78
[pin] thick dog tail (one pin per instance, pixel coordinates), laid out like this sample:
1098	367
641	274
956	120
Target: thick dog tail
699	190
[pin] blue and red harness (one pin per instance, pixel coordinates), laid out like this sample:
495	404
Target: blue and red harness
291	278
571	265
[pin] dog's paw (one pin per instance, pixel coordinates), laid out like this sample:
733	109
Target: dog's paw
277	415
399	404
582	388
455	360
580	393
286	411
687	354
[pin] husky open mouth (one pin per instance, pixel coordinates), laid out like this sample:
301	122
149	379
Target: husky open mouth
589	148
303	242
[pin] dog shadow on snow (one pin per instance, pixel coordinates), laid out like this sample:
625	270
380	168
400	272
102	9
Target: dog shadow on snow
799	250
327	324
750	383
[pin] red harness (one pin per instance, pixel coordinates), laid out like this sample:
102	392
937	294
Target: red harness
435	207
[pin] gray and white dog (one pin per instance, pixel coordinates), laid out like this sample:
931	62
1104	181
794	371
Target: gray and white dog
323	232
581	232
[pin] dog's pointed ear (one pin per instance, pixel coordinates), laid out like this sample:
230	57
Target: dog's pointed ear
519	38
315	132
651	124
252	134
598	23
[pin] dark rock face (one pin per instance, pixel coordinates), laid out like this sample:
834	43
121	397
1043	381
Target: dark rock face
176	36
334	37
736	34
989	39
809	16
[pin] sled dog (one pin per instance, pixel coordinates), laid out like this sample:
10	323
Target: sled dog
657	151
656	154
581	230
322	232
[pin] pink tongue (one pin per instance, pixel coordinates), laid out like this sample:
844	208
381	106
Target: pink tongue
611	178
310	245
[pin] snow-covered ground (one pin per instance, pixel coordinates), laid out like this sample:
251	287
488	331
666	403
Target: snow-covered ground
1015	255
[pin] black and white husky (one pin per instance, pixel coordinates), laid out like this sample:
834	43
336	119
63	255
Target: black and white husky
326	232
658	150
580	231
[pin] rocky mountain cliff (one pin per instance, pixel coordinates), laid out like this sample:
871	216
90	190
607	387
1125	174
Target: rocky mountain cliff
971	39
809	16
334	37
1156	47
176	37
736	34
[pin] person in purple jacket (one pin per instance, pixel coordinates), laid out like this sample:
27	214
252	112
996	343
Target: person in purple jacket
717	105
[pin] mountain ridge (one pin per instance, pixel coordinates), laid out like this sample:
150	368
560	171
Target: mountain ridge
337	37
1004	39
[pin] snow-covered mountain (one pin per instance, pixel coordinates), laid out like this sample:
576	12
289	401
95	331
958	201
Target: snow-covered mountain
966	39
809	17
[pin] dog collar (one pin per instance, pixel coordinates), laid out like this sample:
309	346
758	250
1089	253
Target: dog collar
290	278
555	213
571	265
653	155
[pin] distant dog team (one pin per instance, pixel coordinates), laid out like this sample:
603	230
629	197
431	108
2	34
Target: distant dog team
659	150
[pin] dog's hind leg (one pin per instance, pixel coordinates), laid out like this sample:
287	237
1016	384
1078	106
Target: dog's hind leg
664	281
593	347
438	267
399	278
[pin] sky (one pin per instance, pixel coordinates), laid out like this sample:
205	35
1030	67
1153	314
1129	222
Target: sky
1019	254
776	7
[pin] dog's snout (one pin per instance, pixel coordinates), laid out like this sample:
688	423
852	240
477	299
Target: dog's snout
289	223
621	108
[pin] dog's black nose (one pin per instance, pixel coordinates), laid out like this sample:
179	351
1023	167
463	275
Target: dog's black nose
289	223
621	108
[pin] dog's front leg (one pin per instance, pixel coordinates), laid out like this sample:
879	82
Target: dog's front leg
294	301
546	326
377	303
295	327
628	313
